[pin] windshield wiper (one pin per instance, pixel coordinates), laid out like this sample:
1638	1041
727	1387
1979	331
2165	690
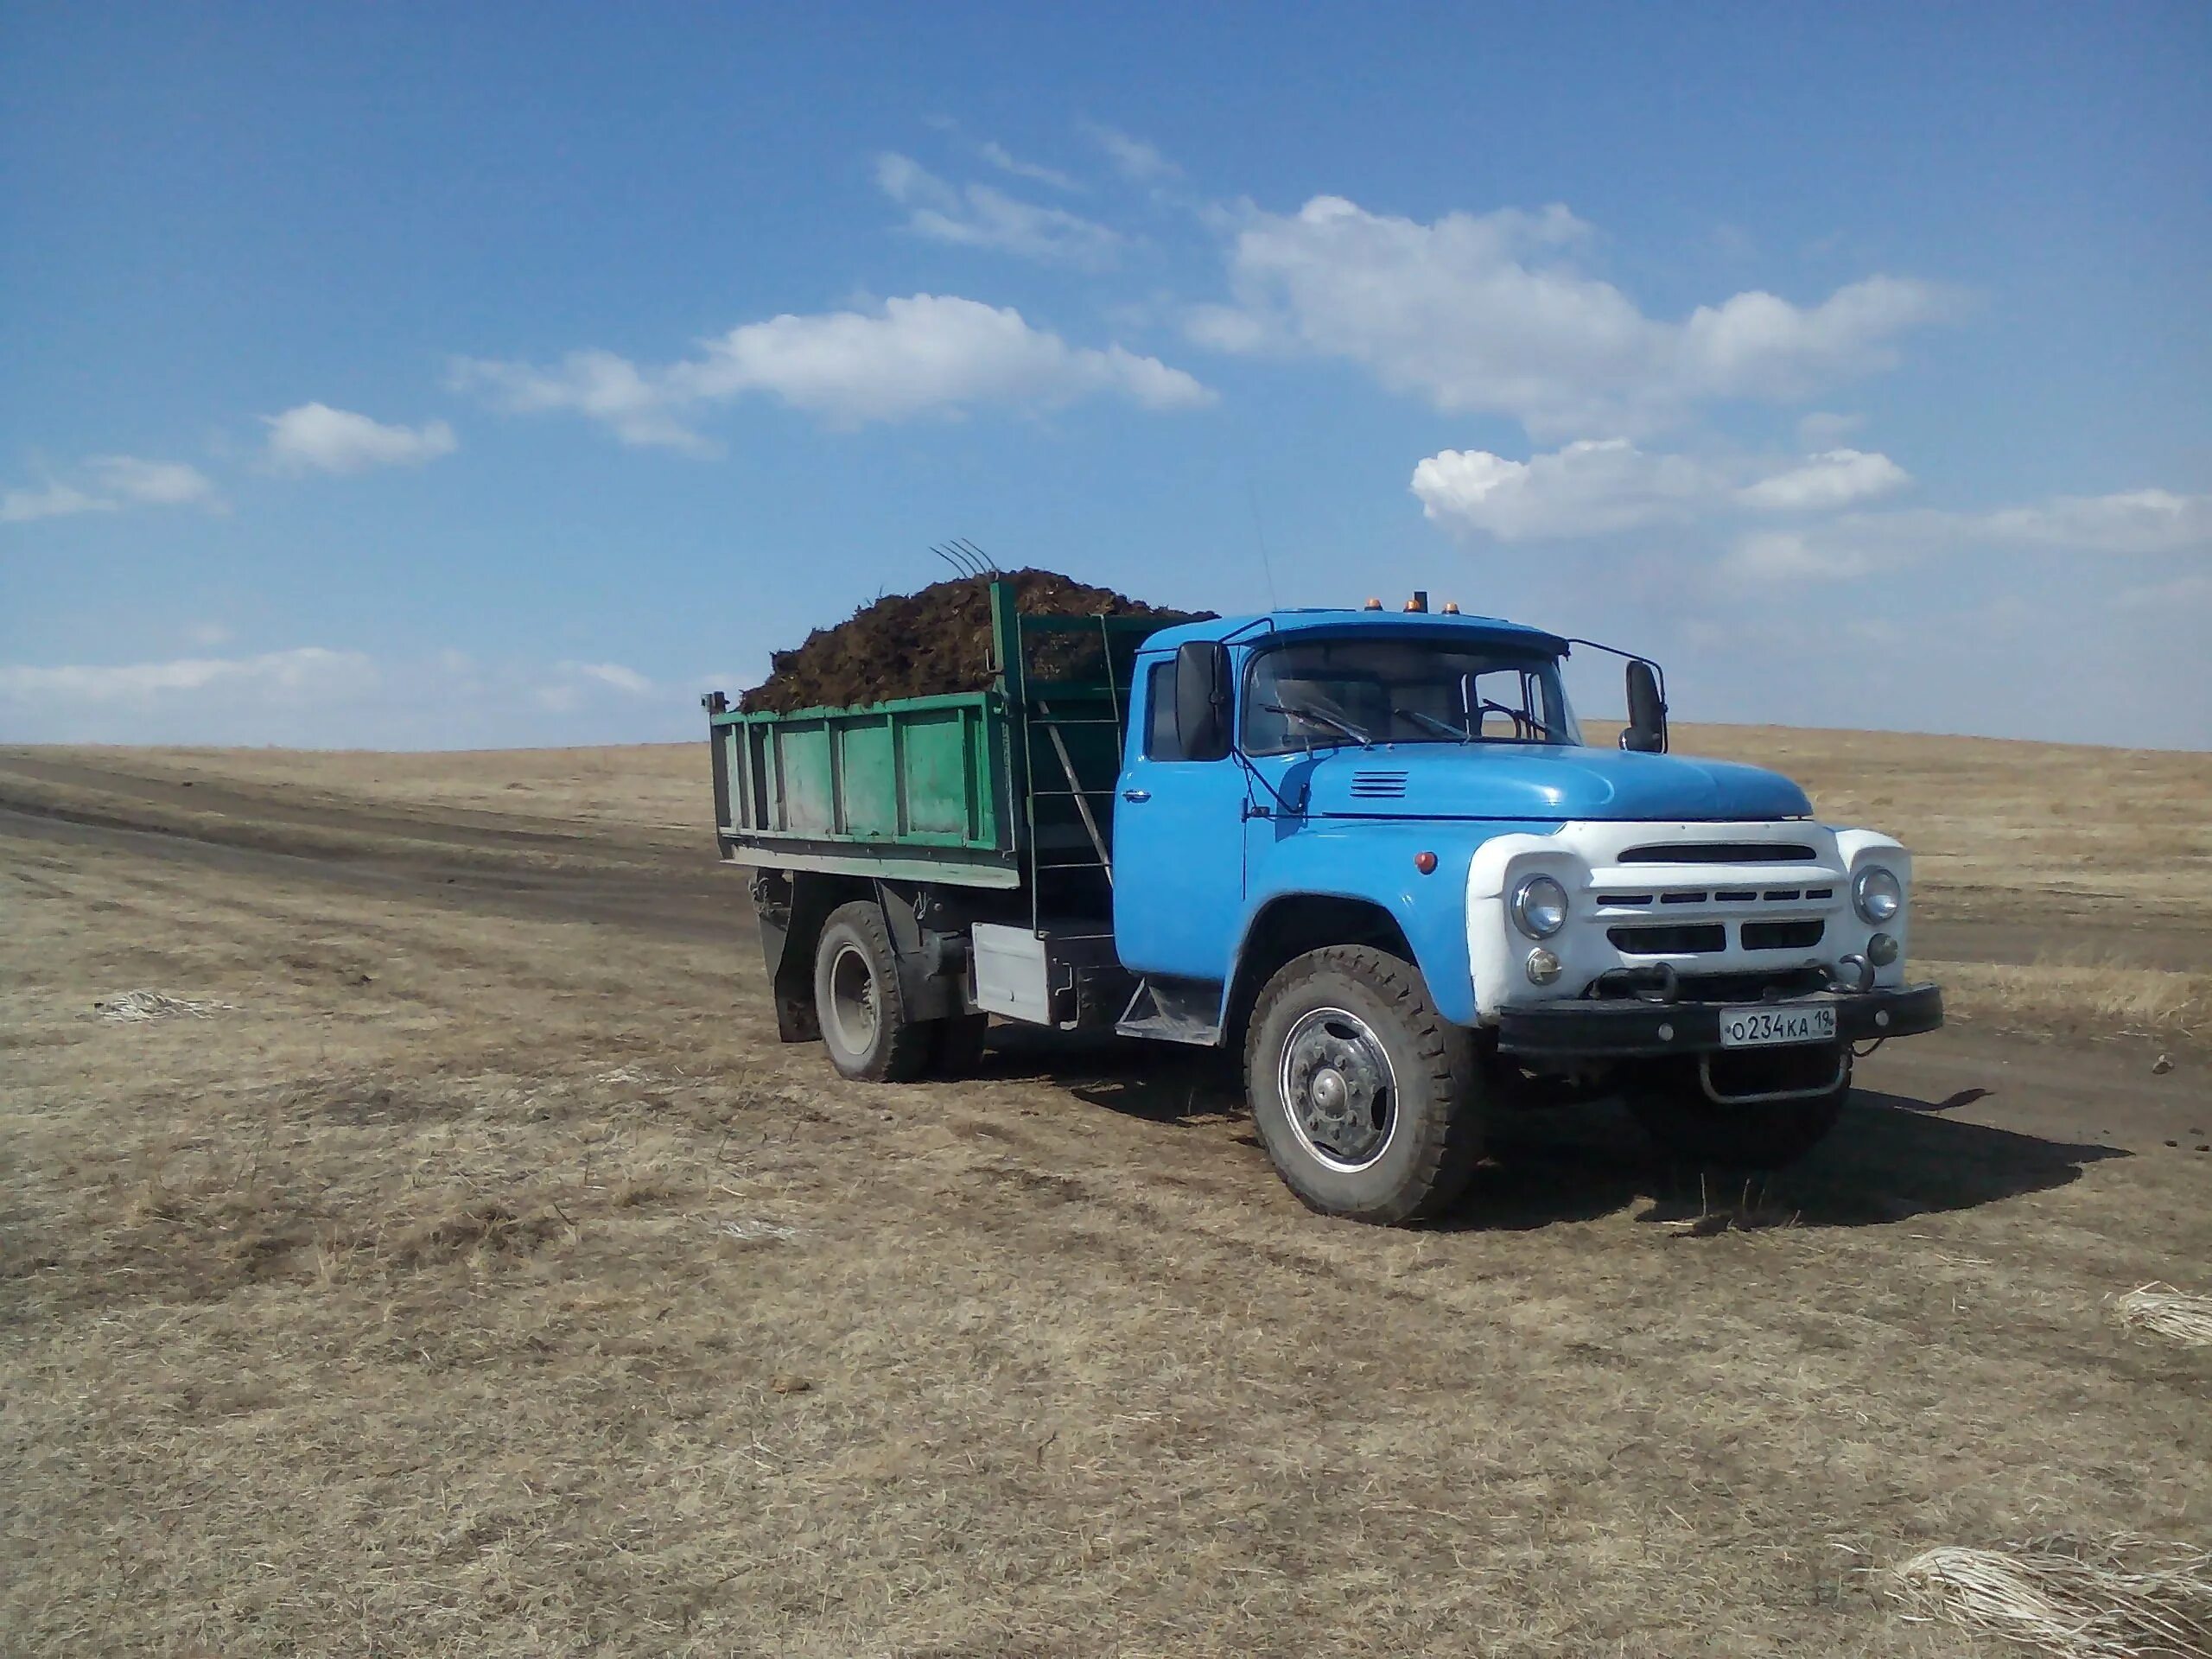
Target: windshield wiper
1517	716
1319	717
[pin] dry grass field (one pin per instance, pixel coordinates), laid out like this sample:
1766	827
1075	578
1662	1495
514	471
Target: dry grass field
469	1271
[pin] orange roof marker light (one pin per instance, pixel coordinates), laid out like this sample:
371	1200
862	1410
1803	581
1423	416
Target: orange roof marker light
1450	608
1372	605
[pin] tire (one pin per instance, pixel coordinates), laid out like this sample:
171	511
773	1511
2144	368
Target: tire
1395	1136
860	1002
957	1045
1672	1107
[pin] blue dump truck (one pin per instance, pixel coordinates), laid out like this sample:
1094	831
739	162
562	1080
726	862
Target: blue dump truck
1373	852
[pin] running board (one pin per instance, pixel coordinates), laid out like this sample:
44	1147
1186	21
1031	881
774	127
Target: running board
1177	1011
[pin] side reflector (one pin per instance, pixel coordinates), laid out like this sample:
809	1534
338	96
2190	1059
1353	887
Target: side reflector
1424	862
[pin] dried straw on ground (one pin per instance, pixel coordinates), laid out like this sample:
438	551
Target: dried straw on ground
2125	1599
2187	1319
136	1007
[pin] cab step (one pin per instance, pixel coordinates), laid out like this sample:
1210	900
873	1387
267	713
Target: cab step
1174	1011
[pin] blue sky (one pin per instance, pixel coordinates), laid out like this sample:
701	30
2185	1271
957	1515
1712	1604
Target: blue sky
437	376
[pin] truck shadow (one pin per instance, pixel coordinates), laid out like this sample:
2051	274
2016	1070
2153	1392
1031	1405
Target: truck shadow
1891	1157
1162	1083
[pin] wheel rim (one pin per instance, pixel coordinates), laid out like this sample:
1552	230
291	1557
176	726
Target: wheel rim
1339	1090
852	1015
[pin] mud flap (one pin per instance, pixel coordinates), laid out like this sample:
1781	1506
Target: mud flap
791	912
932	989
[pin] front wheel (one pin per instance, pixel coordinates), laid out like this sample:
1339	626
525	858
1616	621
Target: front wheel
1675	1111
1364	1097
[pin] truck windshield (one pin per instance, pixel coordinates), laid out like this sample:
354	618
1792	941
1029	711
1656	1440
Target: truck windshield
1327	692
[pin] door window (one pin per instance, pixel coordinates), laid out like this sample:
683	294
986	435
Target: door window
1161	741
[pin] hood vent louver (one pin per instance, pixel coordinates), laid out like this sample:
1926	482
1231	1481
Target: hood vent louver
1378	786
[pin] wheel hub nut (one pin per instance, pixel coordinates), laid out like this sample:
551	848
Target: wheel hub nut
1329	1090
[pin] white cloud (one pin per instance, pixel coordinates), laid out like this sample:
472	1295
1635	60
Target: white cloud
1587	488
1600	487
998	156
2136	521
158	483
1133	157
614	674
114	481
567	688
925	354
978	216
1829	530
316	696
599	384
1825	482
2128	525
1490	314
56	500
309	668
921	353
1225	328
315	437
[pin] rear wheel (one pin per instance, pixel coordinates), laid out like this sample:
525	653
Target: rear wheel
1364	1097
859	1001
1677	1112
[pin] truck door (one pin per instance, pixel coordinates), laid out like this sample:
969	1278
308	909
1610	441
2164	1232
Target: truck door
1179	845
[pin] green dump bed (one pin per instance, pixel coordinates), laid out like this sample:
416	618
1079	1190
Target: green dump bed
1004	787
916	789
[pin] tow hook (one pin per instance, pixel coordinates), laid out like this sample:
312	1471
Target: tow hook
1657	983
1851	973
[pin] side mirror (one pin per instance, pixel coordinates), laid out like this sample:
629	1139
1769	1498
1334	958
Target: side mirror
1202	700
1647	710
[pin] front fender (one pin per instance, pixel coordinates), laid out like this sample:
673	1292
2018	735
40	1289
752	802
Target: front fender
1372	861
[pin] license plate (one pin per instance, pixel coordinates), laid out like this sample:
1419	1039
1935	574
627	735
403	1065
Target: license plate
1768	1027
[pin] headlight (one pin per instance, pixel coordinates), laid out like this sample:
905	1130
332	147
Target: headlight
1877	895
1539	907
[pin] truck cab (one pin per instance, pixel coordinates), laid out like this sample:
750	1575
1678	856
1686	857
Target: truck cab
1379	850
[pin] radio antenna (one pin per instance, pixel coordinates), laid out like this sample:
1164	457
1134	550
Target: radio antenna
1260	535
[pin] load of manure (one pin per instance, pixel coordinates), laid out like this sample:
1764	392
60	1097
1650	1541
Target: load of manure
935	642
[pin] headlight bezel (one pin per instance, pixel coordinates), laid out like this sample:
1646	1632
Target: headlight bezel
1526	899
1877	908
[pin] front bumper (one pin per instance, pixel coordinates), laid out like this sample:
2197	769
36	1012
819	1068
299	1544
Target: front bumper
1628	1028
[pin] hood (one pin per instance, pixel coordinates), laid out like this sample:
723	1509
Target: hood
1454	781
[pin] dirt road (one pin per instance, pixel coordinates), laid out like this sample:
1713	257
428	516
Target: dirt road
665	881
472	1272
